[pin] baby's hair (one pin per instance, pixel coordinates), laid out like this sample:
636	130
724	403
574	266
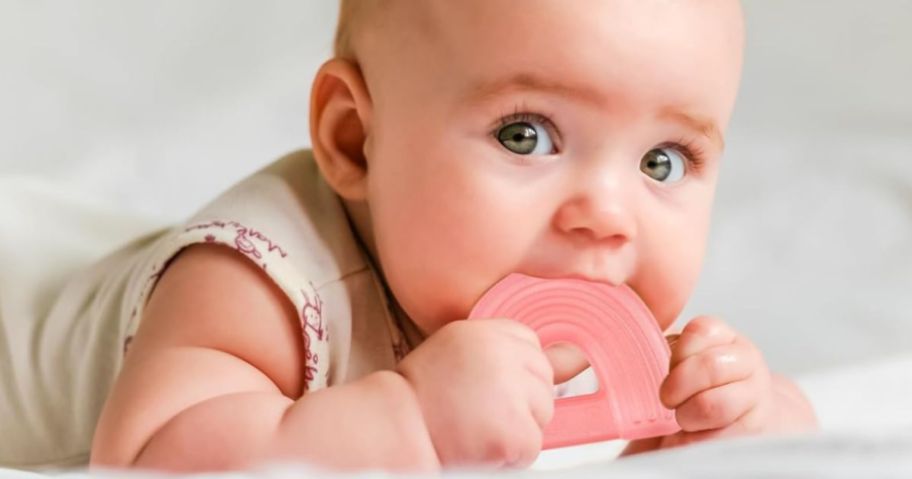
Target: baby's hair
351	15
342	47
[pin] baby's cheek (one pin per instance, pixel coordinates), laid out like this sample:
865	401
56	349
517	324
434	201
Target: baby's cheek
666	279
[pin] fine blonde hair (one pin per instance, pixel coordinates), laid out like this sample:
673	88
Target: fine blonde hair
349	13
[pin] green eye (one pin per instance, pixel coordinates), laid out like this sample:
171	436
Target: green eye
663	164
526	138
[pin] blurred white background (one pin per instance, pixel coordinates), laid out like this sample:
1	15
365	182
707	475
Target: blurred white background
156	106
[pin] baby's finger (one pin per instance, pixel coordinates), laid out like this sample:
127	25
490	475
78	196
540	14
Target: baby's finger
717	408
541	402
567	360
714	367
517	330
540	367
703	332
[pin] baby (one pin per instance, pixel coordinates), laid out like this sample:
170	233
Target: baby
314	312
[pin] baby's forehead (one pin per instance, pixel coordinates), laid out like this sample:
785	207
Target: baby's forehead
485	28
612	47
470	16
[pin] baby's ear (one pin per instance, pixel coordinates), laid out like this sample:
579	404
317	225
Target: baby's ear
340	109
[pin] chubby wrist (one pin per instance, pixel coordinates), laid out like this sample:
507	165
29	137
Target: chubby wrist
794	410
402	406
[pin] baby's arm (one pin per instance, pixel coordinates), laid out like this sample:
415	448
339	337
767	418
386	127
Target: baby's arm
214	380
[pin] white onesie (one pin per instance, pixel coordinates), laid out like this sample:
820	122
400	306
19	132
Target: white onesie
58	366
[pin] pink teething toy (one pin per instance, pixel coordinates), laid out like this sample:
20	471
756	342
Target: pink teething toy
619	336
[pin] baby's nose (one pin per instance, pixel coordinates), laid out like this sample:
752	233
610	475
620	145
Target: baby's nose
600	212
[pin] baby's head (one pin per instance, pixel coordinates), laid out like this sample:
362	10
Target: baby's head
477	138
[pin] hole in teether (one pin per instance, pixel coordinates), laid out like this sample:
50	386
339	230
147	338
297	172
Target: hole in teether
572	374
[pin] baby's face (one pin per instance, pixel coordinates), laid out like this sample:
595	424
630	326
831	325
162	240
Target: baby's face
556	139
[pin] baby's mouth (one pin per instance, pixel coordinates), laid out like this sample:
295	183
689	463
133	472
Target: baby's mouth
614	275
613	269
606	279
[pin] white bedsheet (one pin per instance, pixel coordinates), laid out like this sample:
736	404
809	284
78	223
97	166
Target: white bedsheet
833	456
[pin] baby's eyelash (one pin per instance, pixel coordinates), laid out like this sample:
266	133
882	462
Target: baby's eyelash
526	116
695	154
522	114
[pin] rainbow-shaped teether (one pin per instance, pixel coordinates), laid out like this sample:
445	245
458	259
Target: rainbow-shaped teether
621	339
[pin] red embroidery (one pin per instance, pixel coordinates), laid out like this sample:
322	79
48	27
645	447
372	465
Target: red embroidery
313	325
243	244
151	280
244	240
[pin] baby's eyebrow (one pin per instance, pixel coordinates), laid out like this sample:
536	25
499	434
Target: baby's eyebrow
703	126
483	91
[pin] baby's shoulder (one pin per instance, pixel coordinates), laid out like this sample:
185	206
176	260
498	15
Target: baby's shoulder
212	297
248	274
214	326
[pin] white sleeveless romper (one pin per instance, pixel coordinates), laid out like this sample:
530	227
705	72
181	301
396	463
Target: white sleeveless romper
57	367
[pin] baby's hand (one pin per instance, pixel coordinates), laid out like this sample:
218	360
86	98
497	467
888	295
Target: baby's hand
486	392
718	384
